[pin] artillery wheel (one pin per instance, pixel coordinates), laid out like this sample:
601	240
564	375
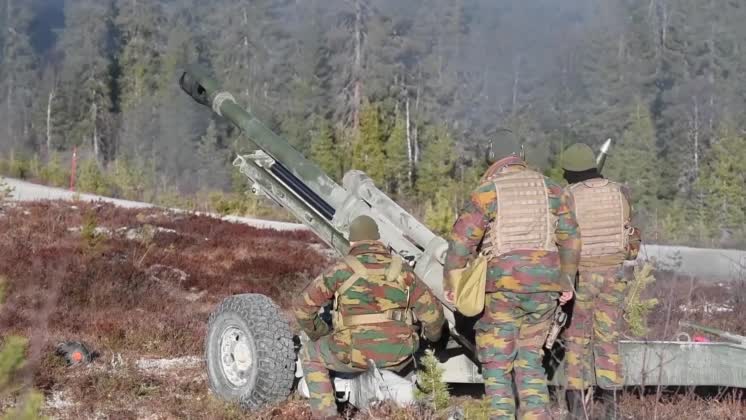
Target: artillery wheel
249	351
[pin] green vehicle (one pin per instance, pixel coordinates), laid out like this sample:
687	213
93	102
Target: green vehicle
250	350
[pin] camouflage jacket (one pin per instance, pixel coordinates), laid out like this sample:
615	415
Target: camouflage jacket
520	271
387	343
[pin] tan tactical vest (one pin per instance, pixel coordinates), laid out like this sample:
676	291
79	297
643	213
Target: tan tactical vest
524	219
603	216
393	273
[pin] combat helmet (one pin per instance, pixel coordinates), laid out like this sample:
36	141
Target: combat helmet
364	228
505	149
578	157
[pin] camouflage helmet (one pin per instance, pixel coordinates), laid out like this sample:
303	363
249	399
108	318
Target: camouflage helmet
505	143
578	157
364	228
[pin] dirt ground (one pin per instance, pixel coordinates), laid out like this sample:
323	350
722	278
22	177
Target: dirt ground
137	287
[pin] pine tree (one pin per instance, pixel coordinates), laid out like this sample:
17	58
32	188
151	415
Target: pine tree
323	150
440	213
723	184
86	79
437	163
637	308
140	26
12	359
212	172
18	74
6	191
92	179
396	157
634	160
368	148
432	389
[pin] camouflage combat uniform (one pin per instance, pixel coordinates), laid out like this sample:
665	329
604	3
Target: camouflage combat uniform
348	348
523	286
592	346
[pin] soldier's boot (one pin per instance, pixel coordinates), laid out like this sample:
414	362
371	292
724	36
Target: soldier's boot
610	404
575	405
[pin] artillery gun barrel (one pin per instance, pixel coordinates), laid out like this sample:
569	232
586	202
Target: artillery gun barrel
294	166
740	339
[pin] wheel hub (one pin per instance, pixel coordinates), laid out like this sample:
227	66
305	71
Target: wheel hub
236	356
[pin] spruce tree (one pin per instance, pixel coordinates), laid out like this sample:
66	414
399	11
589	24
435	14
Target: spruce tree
723	184
323	150
396	157
435	170
368	148
634	159
212	169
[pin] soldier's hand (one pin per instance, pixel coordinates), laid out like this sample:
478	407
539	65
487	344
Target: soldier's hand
449	296
565	297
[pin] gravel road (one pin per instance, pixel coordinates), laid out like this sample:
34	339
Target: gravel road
27	191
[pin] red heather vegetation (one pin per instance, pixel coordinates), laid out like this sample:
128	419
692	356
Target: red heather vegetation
137	286
134	284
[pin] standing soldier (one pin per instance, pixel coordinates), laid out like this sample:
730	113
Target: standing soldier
375	297
604	213
525	224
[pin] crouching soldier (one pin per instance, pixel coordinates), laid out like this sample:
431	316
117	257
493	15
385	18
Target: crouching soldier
604	212
376	297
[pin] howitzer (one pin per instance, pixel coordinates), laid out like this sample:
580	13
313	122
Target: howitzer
249	350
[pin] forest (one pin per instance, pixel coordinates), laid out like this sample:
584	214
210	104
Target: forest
409	92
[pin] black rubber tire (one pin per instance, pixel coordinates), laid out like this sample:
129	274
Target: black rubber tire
271	340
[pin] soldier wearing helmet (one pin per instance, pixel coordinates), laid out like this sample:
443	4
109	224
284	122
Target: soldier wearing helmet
604	212
525	224
376	297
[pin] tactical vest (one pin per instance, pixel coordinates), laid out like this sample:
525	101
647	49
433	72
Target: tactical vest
393	274
603	216
523	219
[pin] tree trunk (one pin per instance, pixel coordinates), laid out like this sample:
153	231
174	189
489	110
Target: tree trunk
49	118
357	66
414	130
9	93
410	149
695	136
94	119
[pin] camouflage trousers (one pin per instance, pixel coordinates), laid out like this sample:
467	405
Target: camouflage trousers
510	338
592	336
317	359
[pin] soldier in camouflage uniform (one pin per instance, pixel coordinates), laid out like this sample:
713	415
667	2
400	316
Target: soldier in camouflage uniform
376	296
604	213
525	223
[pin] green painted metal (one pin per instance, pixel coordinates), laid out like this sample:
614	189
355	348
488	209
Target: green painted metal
683	363
205	90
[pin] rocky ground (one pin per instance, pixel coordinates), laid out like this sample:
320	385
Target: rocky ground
137	286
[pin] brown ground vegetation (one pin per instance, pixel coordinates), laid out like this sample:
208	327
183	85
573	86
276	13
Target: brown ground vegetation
137	286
